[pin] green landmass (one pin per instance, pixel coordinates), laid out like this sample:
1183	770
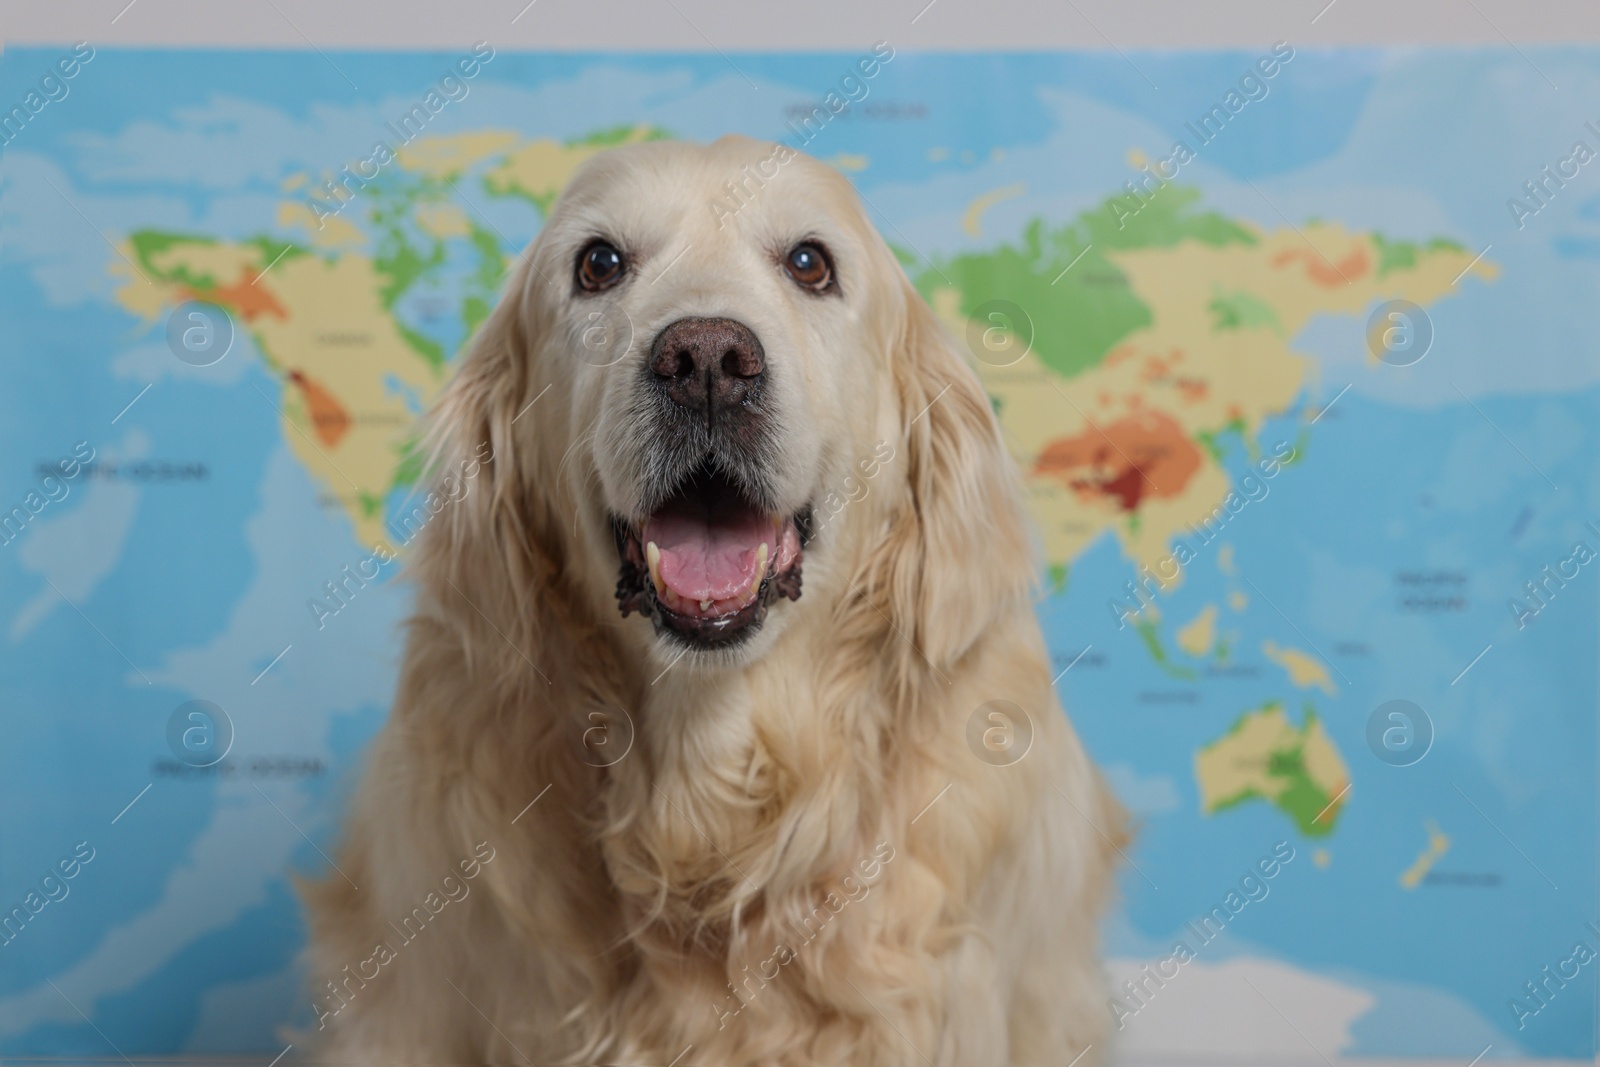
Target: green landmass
1151	635
147	244
1299	796
1241	311
615	135
1081	305
1402	255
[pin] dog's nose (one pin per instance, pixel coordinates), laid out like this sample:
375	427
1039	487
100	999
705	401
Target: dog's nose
708	365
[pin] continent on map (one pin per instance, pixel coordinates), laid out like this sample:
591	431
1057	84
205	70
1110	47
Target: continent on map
341	358
1151	336
1264	756
341	299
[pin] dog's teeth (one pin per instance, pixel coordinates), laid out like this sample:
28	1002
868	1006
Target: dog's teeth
761	567
705	605
652	556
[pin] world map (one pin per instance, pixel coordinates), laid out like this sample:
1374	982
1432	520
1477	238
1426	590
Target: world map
1314	594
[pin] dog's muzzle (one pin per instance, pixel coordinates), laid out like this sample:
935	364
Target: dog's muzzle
709	557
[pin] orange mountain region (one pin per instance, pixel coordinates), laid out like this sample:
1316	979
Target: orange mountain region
1324	271
244	296
1139	455
328	416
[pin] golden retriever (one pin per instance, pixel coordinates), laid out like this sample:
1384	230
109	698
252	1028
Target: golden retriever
646	798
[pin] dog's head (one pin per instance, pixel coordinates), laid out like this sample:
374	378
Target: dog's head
709	376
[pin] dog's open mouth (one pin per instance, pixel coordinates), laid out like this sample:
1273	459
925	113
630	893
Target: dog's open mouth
706	563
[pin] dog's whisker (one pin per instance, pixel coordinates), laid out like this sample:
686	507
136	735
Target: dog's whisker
586	438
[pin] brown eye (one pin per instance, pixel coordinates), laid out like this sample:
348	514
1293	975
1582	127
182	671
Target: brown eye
600	266
808	265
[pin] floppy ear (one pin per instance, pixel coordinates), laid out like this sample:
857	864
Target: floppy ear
960	555
485	539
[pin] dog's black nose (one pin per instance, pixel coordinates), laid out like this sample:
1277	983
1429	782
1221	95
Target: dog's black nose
708	365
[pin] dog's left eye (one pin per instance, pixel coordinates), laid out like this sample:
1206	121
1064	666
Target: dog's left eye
807	263
600	266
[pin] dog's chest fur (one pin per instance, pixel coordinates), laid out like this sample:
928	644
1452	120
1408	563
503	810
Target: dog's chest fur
727	860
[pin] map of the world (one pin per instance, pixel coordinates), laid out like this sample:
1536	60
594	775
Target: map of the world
1295	349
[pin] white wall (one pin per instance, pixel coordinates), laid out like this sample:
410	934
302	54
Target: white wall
808	24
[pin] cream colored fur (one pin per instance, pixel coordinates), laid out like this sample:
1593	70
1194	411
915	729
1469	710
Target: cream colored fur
619	909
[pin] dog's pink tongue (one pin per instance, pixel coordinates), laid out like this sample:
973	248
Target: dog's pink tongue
708	559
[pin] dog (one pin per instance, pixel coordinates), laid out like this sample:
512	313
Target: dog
726	731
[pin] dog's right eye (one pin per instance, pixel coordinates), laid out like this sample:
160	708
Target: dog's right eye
600	266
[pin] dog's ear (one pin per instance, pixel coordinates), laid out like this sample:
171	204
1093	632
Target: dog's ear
486	512
960	553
